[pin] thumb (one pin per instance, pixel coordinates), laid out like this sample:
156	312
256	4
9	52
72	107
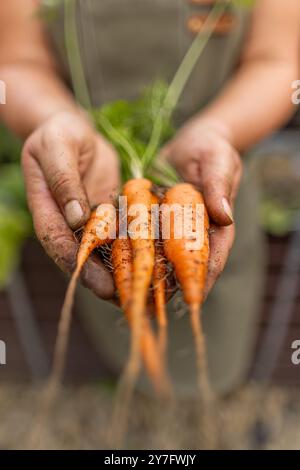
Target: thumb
219	179
216	192
59	165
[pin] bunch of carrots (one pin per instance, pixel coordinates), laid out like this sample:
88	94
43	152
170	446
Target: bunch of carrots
140	264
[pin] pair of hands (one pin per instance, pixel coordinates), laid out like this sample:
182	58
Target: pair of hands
69	168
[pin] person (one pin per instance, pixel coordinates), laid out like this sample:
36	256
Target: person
238	94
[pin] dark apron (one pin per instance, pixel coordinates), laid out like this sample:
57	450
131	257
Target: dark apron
125	45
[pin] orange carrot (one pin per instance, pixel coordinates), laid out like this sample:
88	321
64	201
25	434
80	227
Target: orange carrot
138	192
190	265
94	235
159	288
122	269
190	268
159	294
121	257
90	240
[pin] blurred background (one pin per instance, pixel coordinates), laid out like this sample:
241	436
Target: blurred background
263	412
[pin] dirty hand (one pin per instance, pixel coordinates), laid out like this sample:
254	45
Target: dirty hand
203	156
68	169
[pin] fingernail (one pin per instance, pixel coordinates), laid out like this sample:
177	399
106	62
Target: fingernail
73	213
227	209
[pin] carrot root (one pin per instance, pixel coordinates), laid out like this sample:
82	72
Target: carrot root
159	288
138	192
89	242
191	269
140	265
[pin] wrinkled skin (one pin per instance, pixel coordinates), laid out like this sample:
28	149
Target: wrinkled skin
64	160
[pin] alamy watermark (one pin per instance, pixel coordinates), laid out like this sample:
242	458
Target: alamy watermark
2	353
177	221
2	92
295	358
296	93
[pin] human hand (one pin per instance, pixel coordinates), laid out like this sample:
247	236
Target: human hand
68	169
203	156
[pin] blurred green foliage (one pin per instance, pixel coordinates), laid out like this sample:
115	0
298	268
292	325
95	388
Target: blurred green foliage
277	172
277	219
15	220
10	146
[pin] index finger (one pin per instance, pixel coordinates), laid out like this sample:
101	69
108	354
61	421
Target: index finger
219	176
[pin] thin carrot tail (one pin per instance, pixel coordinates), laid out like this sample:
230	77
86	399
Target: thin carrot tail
61	344
159	288
209	419
122	260
89	242
63	331
200	345
147	349
154	365
123	400
52	386
161	315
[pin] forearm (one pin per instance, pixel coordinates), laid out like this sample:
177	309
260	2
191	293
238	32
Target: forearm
34	93
257	100
254	103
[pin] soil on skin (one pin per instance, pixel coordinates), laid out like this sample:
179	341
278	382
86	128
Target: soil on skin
251	418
